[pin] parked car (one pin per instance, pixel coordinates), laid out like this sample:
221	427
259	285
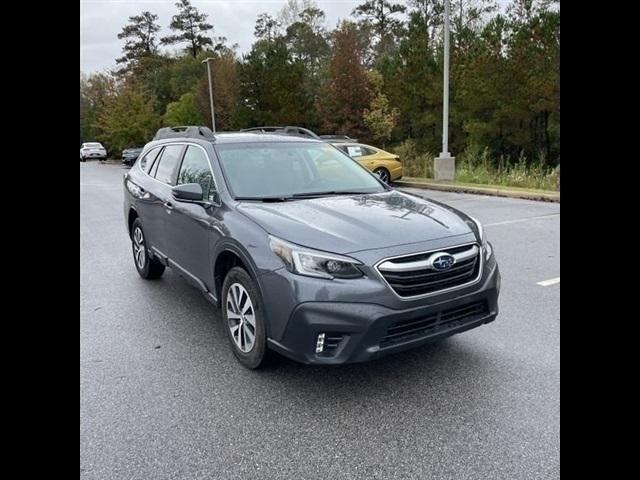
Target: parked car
130	155
92	150
304	251
385	165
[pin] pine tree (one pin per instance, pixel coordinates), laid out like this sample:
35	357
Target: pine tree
140	35
192	26
381	17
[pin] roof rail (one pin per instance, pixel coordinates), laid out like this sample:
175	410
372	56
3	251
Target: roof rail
189	131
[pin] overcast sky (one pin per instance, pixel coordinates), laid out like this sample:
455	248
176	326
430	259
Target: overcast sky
102	20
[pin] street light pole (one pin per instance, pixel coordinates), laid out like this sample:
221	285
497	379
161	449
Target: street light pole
213	118
445	93
444	165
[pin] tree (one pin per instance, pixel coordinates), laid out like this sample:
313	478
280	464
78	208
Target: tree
381	15
346	93
128	118
193	27
306	39
95	90
290	13
267	27
467	19
431	14
379	118
183	112
414	84
140	35
272	86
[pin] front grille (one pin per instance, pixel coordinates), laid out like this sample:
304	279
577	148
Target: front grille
414	275
404	330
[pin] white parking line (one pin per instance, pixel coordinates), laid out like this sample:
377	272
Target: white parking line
509	222
551	281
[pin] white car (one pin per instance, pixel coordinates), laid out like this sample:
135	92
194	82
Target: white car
92	150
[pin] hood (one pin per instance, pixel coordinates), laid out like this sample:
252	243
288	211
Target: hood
346	224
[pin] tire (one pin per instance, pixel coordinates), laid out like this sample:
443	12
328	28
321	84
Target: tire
149	268
238	287
383	174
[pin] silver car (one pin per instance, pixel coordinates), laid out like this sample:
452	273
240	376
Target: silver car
92	150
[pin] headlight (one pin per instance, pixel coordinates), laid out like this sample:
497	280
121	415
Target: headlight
313	263
486	246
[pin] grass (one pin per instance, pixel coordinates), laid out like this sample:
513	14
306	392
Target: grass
475	166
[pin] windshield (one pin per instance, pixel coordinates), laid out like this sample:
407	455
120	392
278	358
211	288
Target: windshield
271	170
92	145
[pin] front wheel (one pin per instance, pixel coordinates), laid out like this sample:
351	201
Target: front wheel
383	174
148	267
243	320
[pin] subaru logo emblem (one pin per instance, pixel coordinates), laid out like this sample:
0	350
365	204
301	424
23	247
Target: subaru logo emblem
442	261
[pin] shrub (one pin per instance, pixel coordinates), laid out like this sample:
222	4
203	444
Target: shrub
414	163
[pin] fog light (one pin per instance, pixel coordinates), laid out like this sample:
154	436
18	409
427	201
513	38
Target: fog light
320	343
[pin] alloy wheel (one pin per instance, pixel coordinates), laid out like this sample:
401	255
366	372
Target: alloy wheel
139	251
241	317
383	175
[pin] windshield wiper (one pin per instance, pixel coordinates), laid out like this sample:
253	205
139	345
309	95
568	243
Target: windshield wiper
277	198
329	192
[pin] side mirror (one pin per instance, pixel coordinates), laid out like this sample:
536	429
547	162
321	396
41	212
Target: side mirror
188	192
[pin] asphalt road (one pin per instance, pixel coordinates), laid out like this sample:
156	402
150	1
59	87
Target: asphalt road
162	397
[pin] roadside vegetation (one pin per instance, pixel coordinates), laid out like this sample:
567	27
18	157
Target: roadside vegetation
478	165
376	76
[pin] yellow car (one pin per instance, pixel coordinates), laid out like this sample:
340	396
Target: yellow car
384	164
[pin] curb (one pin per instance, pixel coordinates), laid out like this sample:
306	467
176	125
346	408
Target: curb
539	196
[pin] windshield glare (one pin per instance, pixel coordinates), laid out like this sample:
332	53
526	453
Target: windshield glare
261	170
92	145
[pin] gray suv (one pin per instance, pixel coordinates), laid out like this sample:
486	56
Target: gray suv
305	252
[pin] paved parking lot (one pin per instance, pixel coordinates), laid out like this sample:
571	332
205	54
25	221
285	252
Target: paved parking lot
162	396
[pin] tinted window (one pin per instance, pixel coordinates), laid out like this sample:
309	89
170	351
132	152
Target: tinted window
195	169
368	151
146	161
275	169
167	164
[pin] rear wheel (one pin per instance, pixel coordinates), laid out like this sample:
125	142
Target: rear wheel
148	267
383	174
242	315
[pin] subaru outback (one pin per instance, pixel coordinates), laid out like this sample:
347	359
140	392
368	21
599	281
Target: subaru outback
303	250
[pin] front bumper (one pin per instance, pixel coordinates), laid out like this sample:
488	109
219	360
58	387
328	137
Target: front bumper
362	331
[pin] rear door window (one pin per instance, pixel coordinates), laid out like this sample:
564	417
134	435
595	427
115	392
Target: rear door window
165	171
